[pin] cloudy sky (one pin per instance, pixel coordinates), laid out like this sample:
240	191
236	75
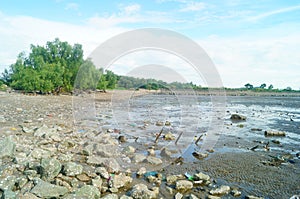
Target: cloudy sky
249	41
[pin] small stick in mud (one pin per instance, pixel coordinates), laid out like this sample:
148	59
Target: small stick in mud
178	138
253	148
156	139
199	138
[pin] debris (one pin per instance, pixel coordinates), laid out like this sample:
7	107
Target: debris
274	133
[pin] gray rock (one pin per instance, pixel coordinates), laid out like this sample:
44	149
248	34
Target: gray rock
184	185
201	176
220	191
7	148
38	153
97	182
72	169
253	197
237	117
199	155
45	131
141	191
8	194
171	179
111	196
192	196
141	171
178	195
44	189
129	150
138	158
88	191
121	180
102	172
7	183
28	196
126	197
50	168
165	153
109	163
236	193
154	160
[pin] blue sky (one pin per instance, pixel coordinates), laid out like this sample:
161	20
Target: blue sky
249	41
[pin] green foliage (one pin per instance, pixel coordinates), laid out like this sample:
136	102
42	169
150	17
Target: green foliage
249	86
46	68
88	76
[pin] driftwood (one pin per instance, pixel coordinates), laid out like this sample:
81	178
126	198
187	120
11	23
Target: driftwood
156	139
178	138
199	138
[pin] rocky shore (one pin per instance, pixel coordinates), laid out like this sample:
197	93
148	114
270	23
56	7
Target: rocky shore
42	155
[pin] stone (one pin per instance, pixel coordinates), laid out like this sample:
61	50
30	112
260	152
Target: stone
97	182
237	117
38	153
192	196
141	191
154	160
253	197
50	168
102	172
178	195
110	164
7	148
223	190
83	177
45	131
201	176
8	194
44	189
7	183
121	180
88	191
167	123
129	150
274	133
184	185
141	171
122	138
236	193
111	196
151	152
113	190
72	169
165	153
171	179
138	158
159	123
126	197
28	196
213	197
199	155
169	136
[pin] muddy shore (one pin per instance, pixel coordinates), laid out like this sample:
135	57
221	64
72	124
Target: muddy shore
232	162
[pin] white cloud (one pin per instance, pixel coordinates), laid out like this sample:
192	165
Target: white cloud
72	6
132	9
193	6
273	12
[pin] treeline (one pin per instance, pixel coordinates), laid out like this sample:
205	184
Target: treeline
60	67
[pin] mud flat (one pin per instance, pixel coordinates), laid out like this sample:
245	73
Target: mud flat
122	145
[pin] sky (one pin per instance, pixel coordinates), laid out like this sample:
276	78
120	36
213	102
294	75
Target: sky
248	41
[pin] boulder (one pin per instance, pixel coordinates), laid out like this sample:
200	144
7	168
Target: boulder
141	191
50	168
44	189
121	180
7	148
72	169
88	191
184	185
110	164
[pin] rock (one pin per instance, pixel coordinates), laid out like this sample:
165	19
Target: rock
213	197
274	133
166	153
192	196
44	131
7	148
102	172
237	117
126	197
8	194
110	164
83	177
50	168
178	195
169	136
220	191
154	160
151	152
158	123
199	155
88	191
167	123
141	171
113	190
141	191
28	130
253	197
38	153
184	185
236	193
111	196
171	179
72	169
97	182
28	196
201	176
121	180
138	158
44	189
7	183
129	150
122	138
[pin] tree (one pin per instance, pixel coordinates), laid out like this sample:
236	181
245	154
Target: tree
249	86
270	87
288	89
263	86
87	76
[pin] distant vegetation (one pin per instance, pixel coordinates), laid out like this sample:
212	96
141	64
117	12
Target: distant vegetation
60	67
